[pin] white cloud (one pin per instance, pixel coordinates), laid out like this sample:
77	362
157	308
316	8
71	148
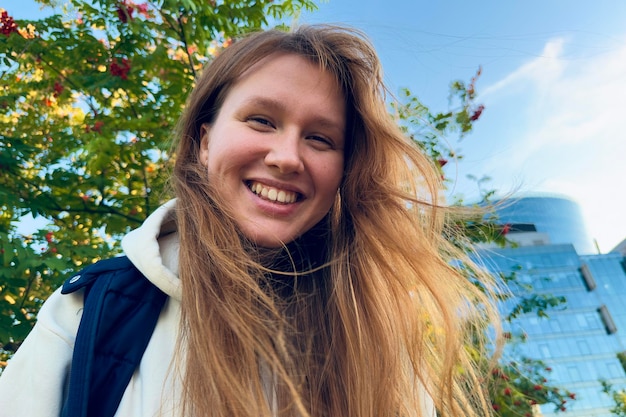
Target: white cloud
541	71
559	124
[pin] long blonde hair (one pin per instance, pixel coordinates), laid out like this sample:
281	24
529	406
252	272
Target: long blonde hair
380	324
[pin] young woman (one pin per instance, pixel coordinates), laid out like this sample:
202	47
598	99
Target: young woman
302	258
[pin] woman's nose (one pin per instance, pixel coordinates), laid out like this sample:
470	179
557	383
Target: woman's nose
285	154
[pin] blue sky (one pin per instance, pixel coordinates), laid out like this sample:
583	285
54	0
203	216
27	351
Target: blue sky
553	83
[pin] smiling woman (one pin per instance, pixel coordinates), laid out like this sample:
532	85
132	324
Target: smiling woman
276	148
302	276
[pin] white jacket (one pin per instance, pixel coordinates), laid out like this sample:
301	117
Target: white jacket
33	382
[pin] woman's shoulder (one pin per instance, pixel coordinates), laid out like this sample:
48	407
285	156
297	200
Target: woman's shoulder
61	314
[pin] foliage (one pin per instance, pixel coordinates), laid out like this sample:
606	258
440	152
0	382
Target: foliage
618	396
88	101
431	130
526	300
621	356
518	387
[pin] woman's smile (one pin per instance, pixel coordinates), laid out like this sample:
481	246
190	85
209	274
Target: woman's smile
273	194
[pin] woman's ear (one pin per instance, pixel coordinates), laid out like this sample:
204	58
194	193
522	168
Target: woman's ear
204	144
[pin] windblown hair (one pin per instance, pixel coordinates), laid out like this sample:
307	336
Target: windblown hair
376	330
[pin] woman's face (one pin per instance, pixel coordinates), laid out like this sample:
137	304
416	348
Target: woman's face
276	148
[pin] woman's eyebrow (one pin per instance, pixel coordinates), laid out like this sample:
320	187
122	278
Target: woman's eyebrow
265	102
327	123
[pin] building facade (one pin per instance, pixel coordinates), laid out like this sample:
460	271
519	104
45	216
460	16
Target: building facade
558	216
583	341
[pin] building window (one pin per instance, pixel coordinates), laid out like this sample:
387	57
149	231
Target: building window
582	321
555	326
573	373
583	347
614	370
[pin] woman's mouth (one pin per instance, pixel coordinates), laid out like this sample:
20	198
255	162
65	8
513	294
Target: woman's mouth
272	194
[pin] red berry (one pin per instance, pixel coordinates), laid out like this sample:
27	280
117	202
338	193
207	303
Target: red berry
97	126
120	68
58	88
142	8
7	24
476	115
125	12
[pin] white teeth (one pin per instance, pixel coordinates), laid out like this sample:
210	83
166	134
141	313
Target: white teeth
273	194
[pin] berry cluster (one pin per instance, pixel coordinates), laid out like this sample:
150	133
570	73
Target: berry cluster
7	24
120	68
476	114
125	10
97	127
58	88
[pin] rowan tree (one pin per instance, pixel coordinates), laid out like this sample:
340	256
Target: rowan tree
89	99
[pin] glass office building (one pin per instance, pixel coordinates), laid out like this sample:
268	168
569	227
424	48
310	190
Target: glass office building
581	341
559	217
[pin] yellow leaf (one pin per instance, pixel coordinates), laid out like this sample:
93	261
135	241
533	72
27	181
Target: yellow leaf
78	116
38	75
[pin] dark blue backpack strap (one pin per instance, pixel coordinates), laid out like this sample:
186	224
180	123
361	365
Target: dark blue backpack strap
120	313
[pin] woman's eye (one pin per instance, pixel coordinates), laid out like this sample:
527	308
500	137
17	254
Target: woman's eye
322	140
260	121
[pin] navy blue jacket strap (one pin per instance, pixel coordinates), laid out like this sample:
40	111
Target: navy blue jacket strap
120	313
